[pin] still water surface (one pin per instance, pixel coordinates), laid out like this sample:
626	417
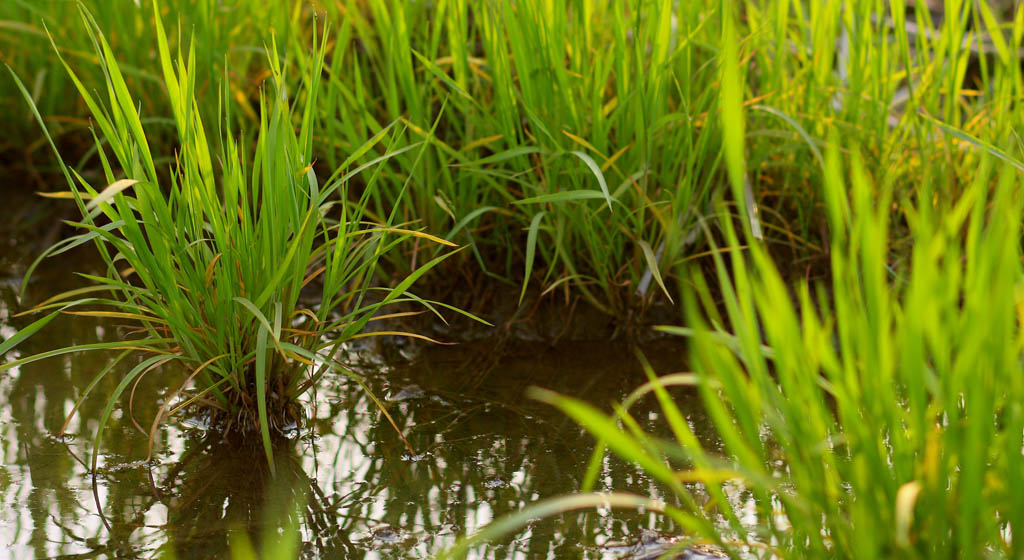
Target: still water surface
349	482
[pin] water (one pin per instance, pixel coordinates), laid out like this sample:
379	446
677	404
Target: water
479	449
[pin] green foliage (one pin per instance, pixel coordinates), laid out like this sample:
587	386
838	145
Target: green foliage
875	417
586	145
211	258
220	37
577	144
564	137
891	403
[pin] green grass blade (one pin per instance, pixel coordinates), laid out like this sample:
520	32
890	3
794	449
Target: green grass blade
976	142
565	196
531	251
260	369
24	333
596	170
514	522
652	265
148	344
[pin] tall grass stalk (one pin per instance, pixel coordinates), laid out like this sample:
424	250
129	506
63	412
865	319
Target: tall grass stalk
210	259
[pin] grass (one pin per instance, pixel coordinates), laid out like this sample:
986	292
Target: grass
572	145
541	139
870	417
228	52
609	152
875	415
210	260
562	164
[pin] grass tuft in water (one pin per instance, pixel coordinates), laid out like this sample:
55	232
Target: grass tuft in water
236	263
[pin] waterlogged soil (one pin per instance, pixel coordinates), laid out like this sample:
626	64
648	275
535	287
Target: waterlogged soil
477	448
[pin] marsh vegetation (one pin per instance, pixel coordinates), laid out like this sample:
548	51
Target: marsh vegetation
797	222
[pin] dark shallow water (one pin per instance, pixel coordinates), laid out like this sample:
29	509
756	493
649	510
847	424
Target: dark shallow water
348	481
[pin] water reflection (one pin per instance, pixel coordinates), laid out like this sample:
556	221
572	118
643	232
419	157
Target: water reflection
479	450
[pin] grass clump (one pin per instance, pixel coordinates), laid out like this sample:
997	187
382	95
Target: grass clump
211	258
566	139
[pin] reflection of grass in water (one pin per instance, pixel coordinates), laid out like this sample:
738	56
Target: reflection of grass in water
484	456
211	267
491	460
222	497
451	487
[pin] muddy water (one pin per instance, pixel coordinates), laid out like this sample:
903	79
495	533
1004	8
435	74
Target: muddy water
354	489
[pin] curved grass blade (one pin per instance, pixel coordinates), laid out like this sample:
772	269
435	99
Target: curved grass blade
433	69
118	315
469	218
403	333
88	389
150	345
730	341
581	194
596	170
431	305
24	333
502	156
606	428
62	246
652	265
369	164
311	357
145	365
261	318
514	522
409	232
384	411
798	128
358	153
597	457
415	275
974	141
170	398
111	191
